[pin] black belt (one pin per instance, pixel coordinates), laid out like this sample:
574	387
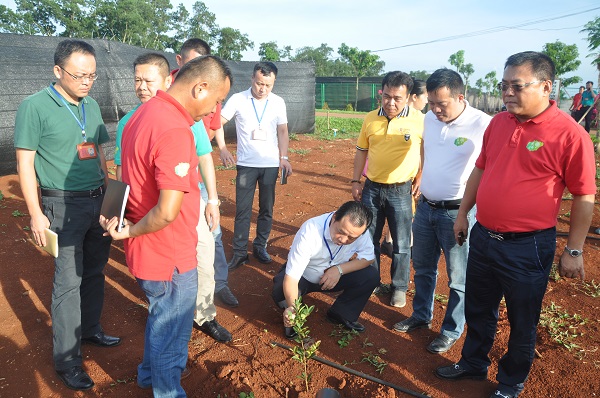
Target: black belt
443	204
57	193
512	235
393	185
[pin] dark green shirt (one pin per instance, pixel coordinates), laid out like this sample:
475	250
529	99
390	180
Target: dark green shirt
45	125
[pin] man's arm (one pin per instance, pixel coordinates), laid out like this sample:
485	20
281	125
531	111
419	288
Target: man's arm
207	170
332	275
416	184
103	164
461	225
360	158
224	154
581	217
283	141
28	181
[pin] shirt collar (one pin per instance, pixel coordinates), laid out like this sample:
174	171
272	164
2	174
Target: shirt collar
548	113
403	113
58	101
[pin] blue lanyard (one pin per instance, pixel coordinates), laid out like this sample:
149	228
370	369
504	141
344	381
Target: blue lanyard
82	125
331	255
256	113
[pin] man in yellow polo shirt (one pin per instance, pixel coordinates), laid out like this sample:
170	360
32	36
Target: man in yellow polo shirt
391	137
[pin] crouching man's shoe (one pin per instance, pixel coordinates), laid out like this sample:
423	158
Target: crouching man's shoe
75	378
260	253
337	319
101	339
457	372
237	261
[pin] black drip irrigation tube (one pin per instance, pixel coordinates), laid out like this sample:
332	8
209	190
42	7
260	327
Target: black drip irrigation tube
356	373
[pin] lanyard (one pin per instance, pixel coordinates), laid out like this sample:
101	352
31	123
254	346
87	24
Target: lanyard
331	255
82	125
256	113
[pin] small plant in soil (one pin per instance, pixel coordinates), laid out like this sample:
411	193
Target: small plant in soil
17	213
375	360
247	395
441	298
293	137
561	326
591	288
554	274
300	152
306	348
221	167
1	195
344	335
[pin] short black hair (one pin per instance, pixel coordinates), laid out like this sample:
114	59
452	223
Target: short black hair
583	87
541	65
265	68
67	47
590	82
445	77
209	67
155	59
358	214
198	45
419	87
397	79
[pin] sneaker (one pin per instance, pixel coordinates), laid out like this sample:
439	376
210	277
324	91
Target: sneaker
398	299
227	297
216	331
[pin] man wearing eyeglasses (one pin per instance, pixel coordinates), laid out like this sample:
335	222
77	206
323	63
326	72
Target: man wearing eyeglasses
529	155
58	133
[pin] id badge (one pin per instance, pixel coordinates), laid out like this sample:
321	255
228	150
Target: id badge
259	134
86	150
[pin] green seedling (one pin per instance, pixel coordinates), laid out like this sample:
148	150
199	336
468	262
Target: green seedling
300	152
591	288
344	335
375	361
293	137
247	395
306	348
17	213
1	195
441	298
554	274
561	326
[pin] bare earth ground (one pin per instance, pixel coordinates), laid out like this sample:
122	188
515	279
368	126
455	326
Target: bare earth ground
250	363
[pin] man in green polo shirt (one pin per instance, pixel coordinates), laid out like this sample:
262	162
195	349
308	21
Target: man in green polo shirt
58	133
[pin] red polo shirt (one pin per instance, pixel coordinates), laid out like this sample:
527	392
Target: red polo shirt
526	167
158	153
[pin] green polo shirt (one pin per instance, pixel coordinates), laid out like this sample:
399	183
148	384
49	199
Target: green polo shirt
45	125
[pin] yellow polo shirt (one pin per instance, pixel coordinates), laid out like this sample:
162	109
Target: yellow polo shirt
394	147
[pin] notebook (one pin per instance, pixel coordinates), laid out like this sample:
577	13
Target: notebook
51	242
114	201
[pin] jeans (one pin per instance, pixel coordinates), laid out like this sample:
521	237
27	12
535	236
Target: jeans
168	331
246	180
220	262
78	289
394	203
517	269
433	229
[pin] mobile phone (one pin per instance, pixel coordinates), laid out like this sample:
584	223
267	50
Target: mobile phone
283	176
461	238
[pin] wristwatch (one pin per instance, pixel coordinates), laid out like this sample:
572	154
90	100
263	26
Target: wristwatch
214	202
573	252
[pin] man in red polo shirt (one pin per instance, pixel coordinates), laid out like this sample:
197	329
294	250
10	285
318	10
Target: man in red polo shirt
529	155
161	167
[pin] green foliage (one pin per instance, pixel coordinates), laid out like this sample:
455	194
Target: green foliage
300	152
1	196
349	108
466	70
247	395
325	105
591	288
346	127
420	74
375	360
321	57
17	213
269	51
362	62
232	43
565	58
343	335
293	137
592	28
306	348
561	326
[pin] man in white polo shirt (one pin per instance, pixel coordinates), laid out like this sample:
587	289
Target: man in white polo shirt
262	146
452	139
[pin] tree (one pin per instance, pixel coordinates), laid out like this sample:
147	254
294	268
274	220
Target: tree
201	25
491	83
592	29
362	62
320	56
420	74
232	43
269	51
565	58
466	70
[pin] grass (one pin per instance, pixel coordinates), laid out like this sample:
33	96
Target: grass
221	167
591	288
561	326
345	128
293	137
300	152
340	111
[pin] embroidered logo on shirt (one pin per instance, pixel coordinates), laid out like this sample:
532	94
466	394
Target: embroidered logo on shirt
182	169
534	145
460	140
406	137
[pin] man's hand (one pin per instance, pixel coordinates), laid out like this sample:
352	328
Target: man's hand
213	216
461	229
416	186
571	267
288	316
110	226
357	189
38	224
330	278
226	157
285	166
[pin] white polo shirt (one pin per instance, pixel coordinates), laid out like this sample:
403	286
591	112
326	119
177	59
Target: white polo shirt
309	255
256	150
450	153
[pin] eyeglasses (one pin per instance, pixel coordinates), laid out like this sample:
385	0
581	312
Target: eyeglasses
92	77
516	87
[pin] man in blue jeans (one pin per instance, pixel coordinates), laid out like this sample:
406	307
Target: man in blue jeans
452	141
391	138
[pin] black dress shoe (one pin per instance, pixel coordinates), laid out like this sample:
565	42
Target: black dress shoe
387	248
216	331
337	319
410	324
260	253
102	340
290	333
237	261
500	394
440	344
75	378
457	372
227	297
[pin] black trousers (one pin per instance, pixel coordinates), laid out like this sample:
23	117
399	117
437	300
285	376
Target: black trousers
357	287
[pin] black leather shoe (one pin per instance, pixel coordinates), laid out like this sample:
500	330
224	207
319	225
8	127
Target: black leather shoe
75	378
410	324
387	248
216	331
456	372
290	333
337	319
440	344
260	253
498	394
102	340
237	261
227	297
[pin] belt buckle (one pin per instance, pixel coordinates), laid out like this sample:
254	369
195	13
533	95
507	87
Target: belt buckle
96	192
495	236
